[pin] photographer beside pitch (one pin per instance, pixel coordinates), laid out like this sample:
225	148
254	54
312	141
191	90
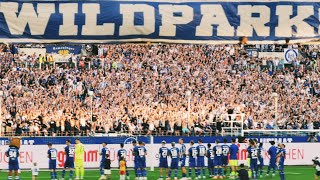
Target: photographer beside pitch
316	165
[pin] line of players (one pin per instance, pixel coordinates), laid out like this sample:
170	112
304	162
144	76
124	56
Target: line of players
218	159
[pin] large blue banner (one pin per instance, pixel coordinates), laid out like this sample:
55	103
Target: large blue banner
179	21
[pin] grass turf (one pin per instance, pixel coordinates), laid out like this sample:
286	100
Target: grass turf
292	173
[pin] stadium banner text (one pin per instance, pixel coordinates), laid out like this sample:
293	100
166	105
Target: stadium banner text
156	139
297	154
177	21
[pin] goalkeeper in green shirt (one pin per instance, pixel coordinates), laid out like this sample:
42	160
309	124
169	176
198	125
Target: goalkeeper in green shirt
79	159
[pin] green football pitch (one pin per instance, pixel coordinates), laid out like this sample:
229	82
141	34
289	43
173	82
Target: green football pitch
292	173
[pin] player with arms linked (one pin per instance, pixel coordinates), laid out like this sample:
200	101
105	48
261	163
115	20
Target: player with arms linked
234	149
52	155
253	155
122	154
13	154
141	153
225	152
201	151
281	155
103	154
273	159
163	164
69	163
217	161
192	158
183	157
210	156
174	154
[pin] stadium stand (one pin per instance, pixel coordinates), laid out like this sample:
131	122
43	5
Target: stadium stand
141	89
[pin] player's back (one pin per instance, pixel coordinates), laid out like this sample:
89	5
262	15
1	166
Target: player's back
210	154
52	154
234	149
164	152
201	150
174	154
272	152
142	153
13	154
183	151
253	153
122	153
69	150
225	150
193	154
217	152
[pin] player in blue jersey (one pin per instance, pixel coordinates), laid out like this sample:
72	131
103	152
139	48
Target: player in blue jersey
183	157
201	151
273	159
103	154
163	159
122	155
52	155
225	153
13	154
253	155
135	152
217	161
234	149
142	151
175	157
260	159
193	153
210	156
69	162
281	155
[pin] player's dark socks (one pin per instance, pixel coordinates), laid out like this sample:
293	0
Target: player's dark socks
224	172
184	175
136	172
220	171
127	173
139	173
63	173
52	175
203	172
282	177
101	171
175	173
17	178
55	175
197	172
216	171
169	174
71	174
190	172
144	173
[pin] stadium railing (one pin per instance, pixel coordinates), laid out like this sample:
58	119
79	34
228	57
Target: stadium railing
280	132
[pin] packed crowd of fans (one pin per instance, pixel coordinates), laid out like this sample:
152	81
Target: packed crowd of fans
141	89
